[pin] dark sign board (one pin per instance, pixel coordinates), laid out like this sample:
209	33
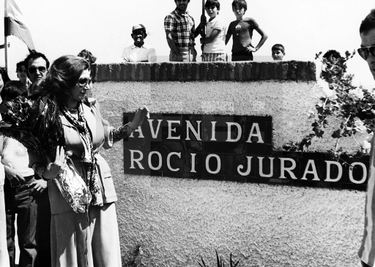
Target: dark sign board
232	148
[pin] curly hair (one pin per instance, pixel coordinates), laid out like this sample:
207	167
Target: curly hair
86	54
63	75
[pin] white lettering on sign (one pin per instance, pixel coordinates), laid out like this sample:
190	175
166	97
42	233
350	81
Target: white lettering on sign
231	134
261	173
138	160
172	129
218	163
195	132
154	133
234	131
310	169
241	167
255	132
289	170
159	157
238	146
329	178
213	127
169	161
357	171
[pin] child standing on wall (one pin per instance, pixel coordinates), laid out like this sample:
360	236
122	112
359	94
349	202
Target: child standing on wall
214	42
242	30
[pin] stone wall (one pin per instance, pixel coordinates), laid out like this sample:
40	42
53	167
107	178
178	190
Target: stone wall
177	220
212	71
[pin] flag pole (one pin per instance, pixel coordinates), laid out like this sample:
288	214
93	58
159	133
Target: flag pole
203	31
5	35
6	53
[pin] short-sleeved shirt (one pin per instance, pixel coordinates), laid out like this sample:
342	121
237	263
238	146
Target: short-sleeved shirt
138	54
182	27
16	156
242	32
217	45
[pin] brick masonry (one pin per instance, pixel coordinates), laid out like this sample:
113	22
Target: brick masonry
211	71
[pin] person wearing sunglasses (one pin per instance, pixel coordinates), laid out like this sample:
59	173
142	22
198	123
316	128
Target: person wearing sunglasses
366	252
84	232
37	66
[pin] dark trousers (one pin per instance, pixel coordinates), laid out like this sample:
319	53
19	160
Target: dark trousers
33	225
244	56
22	202
43	233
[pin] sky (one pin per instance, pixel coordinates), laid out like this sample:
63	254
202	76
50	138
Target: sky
304	27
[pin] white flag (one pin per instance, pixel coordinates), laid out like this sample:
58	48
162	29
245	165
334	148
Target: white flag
14	24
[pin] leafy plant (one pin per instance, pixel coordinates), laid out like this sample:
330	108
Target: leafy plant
352	106
219	261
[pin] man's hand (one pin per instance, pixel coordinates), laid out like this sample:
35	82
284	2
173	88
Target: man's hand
39	185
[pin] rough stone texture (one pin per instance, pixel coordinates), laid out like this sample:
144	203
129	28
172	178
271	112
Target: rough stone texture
178	220
208	71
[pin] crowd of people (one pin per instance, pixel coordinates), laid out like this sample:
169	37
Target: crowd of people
181	32
44	159
52	188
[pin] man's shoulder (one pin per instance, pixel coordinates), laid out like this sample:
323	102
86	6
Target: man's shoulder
130	47
190	16
171	15
148	47
127	49
176	15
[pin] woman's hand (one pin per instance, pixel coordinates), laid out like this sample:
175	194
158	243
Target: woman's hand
53	169
139	117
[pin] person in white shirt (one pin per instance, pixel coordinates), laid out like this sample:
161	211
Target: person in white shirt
138	52
214	42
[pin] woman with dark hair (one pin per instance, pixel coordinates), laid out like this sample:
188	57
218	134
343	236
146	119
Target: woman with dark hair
70	132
